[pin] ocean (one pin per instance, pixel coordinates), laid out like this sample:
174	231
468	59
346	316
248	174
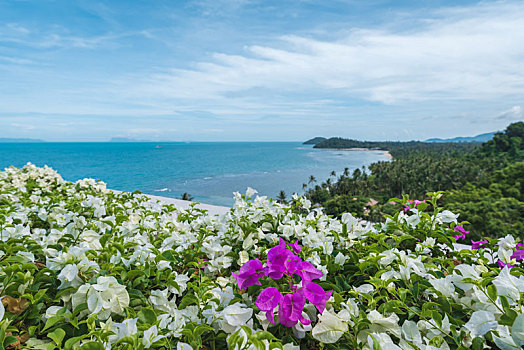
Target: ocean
208	171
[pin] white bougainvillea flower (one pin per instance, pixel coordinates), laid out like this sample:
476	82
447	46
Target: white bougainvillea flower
330	328
105	297
379	323
234	316
481	322
507	243
340	259
127	328
365	288
2	310
183	346
411	333
250	192
443	285
509	286
151	336
517	331
504	339
447	217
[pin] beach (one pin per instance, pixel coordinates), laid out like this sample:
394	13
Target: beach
183	204
384	152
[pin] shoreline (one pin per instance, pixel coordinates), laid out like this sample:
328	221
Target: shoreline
183	204
384	152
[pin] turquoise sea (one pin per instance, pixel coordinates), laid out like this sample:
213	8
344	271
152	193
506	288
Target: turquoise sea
209	171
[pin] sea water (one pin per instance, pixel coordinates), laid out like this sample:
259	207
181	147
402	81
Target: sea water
209	171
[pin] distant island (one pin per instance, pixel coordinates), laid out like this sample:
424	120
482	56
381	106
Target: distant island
342	143
15	140
479	138
314	140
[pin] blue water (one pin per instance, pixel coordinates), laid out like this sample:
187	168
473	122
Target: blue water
210	172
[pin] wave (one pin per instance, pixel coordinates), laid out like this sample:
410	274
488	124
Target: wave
162	190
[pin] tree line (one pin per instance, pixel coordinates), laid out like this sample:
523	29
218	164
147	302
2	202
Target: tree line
484	182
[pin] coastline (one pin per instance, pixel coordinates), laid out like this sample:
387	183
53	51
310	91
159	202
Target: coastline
182	204
386	153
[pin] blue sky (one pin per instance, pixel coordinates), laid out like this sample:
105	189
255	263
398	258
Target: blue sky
248	70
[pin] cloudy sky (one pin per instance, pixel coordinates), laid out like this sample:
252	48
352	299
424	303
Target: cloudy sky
259	70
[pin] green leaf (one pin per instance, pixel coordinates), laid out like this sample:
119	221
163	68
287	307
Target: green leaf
264	335
134	274
10	340
57	335
437	317
492	291
188	299
72	341
146	316
92	346
478	343
201	329
51	321
79	309
508	317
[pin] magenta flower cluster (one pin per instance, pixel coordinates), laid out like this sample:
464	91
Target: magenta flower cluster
518	254
461	233
282	260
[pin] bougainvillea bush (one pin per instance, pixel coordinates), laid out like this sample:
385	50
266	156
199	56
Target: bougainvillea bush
82	267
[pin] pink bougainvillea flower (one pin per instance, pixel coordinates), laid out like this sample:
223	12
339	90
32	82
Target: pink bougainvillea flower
520	245
276	258
413	204
501	264
478	244
462	233
291	265
308	272
316	295
296	248
267	301
518	254
290	308
281	261
250	273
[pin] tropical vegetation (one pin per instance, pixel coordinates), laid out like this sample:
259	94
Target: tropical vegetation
484	182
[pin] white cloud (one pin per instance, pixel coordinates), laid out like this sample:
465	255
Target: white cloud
468	53
514	113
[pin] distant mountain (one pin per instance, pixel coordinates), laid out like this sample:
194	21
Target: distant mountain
12	140
314	140
479	138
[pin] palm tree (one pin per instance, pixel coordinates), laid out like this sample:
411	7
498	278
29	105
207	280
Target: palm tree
186	197
304	186
346	171
282	197
312	179
333	173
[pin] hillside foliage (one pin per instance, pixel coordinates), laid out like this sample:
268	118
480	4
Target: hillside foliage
483	182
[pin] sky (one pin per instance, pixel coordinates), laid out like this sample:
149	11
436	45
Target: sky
250	70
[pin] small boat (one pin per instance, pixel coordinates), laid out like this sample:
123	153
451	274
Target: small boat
157	146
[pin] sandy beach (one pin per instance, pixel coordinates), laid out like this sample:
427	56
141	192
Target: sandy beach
182	204
386	153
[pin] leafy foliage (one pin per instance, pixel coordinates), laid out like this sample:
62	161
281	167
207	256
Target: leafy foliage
484	183
82	267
